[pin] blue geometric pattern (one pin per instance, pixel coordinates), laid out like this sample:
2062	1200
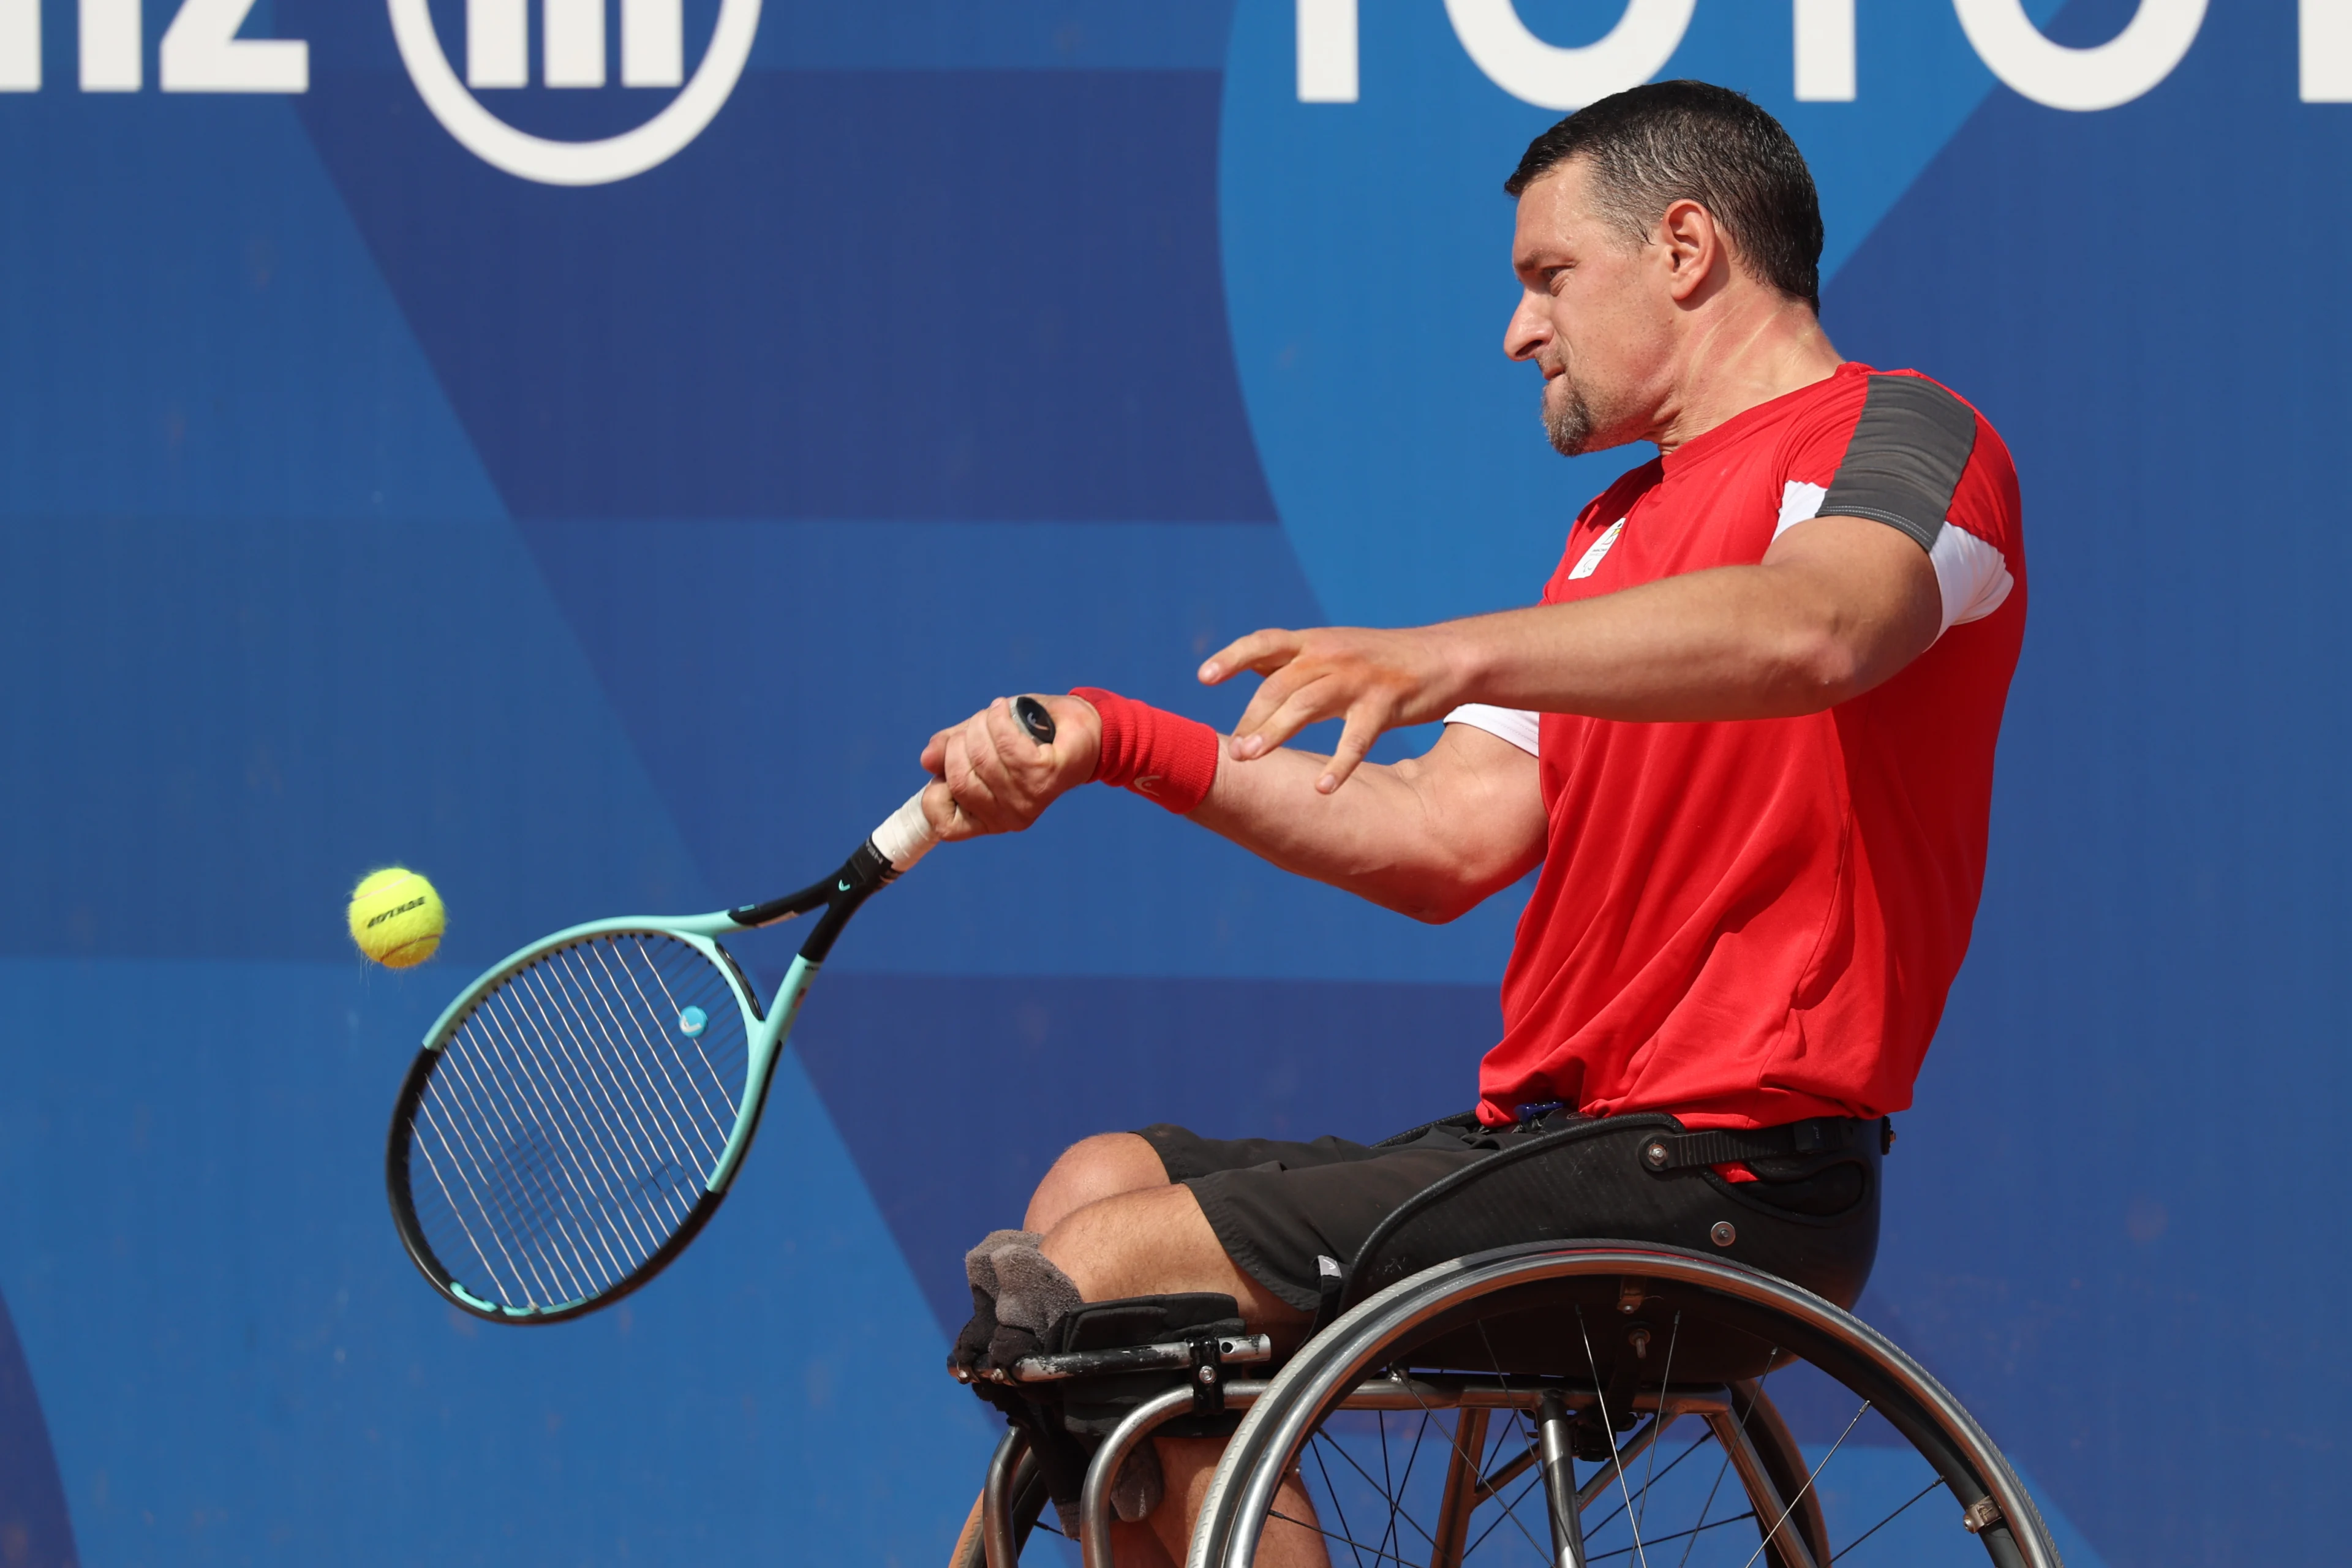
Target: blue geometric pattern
616	548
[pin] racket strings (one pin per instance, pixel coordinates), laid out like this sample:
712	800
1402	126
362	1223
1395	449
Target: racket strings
574	1118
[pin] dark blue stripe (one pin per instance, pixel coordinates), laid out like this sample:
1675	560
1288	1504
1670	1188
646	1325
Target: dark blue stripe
36	1531
919	295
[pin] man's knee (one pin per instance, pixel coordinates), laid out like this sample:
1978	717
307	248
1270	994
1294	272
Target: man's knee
1091	1170
1134	1243
1153	1243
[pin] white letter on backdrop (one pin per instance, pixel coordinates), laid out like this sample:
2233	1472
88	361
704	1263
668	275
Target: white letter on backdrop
2327	51
1825	51
1326	51
653	43
2115	72
572	49
20	46
202	52
1546	75
110	46
497	43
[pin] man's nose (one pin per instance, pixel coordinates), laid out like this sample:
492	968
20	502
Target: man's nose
1526	330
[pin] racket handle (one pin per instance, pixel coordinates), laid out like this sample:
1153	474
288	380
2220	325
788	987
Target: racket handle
905	835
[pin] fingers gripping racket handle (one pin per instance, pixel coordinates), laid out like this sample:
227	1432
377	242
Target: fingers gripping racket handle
905	837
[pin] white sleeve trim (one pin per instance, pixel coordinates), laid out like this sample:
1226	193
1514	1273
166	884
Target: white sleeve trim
1969	574
1975	579
1517	725
1799	503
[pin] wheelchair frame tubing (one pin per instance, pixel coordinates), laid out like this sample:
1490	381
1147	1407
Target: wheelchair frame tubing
1561	1502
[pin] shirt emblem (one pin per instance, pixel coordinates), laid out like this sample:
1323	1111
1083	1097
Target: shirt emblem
1592	557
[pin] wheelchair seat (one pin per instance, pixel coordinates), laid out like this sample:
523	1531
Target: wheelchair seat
1597	1179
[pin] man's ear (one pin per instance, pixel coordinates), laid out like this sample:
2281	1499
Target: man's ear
1693	248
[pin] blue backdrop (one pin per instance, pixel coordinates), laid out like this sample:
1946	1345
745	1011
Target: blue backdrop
614	546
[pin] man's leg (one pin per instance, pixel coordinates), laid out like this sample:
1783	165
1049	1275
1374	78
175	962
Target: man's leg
1149	1241
1115	1226
1163	1540
1090	1170
1189	1464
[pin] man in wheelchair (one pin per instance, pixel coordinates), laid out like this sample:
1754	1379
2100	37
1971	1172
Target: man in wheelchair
1746	741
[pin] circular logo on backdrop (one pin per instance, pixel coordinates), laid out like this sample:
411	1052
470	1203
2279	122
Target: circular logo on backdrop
496	36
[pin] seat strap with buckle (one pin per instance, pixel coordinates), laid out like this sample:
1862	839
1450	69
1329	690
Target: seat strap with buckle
1721	1146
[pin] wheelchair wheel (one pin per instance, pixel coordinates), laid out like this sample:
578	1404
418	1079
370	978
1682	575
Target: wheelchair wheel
1588	1402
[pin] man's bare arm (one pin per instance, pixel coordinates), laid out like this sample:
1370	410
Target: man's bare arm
1837	605
1428	837
1431	838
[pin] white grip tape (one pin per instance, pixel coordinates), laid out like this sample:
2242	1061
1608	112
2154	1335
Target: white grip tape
905	835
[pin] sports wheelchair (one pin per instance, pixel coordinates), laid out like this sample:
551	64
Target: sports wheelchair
1474	1358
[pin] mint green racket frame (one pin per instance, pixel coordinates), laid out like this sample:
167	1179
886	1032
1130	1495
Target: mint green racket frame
838	897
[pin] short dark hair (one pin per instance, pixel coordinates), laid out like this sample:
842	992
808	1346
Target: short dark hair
1691	140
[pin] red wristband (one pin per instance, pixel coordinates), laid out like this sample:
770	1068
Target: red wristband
1161	757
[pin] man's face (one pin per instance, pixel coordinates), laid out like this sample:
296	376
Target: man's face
1594	315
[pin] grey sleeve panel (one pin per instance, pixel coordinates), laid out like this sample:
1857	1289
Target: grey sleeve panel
1905	461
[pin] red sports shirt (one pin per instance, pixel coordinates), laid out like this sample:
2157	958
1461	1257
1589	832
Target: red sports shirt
1754	921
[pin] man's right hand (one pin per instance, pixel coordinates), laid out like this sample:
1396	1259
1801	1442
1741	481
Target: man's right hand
989	776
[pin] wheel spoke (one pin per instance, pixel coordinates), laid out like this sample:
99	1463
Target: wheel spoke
1694	1533
1396	1505
1426	1413
1698	1443
1723	1469
1666	1382
1388	1487
1411	1459
1519	1424
1315	1447
1802	1490
1510	1512
1608	1427
1504	1474
1705	1509
1840	1555
1357	1546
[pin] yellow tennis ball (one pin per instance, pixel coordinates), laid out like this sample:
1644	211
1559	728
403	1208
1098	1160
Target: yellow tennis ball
396	916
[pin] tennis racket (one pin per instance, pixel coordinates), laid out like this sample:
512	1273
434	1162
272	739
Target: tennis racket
576	1117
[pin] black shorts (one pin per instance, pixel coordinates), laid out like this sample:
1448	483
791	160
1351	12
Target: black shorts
1276	1206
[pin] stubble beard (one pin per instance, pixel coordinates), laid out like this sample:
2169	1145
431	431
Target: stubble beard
1567	418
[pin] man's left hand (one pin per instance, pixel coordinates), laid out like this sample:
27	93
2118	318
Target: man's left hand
1375	681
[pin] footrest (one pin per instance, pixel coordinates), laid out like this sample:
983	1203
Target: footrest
1176	1355
1107	1357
